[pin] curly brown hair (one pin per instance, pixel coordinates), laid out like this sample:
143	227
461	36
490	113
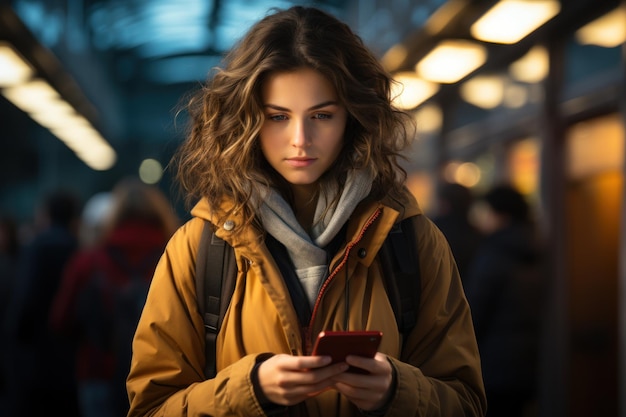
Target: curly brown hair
221	157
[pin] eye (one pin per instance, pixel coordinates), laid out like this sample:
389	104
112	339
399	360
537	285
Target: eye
322	116
277	117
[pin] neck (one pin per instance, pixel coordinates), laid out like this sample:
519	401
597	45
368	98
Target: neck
304	205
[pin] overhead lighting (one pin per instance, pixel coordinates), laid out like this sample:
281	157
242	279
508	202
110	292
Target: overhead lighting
32	96
13	68
150	171
608	31
486	92
509	21
464	173
532	67
429	119
394	57
57	114
451	60
43	104
410	91
516	96
88	145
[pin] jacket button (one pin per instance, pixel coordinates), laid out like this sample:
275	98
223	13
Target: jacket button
362	253
229	225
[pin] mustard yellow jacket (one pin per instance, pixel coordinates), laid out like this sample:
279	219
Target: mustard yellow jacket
438	370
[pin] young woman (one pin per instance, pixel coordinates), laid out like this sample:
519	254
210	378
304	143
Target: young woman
292	157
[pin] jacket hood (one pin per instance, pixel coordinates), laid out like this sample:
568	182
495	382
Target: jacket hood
407	207
249	240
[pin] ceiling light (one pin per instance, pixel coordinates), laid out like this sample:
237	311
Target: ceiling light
88	145
608	31
509	21
13	68
468	174
429	119
100	159
451	60
515	96
57	114
34	95
394	57
150	171
44	104
485	92
532	67
409	91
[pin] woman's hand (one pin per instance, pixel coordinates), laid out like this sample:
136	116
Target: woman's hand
289	380
370	391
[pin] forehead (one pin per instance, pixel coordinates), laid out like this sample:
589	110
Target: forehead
301	83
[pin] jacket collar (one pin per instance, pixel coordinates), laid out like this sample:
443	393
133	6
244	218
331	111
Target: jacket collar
367	226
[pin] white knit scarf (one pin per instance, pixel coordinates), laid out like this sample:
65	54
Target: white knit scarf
306	251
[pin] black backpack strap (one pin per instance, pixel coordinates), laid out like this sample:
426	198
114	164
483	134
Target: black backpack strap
400	262
216	273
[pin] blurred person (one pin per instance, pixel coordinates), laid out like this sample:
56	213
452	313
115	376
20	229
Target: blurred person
93	218
104	287
292	160
9	250
453	219
505	292
40	363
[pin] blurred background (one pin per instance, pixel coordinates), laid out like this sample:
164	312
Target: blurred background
532	93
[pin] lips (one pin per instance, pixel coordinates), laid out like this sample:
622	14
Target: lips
300	162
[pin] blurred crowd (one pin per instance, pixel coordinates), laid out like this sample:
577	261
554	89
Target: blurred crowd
499	253
72	287
72	290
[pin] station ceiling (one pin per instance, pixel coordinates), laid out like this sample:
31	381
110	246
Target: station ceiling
127	64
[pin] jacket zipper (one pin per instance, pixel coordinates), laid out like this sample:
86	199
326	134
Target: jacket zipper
308	336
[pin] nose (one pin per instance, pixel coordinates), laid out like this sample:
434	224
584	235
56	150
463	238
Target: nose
300	136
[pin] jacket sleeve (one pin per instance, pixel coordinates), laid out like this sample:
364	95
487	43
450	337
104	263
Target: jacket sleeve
439	374
167	370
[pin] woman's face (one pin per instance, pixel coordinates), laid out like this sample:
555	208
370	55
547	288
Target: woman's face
304	125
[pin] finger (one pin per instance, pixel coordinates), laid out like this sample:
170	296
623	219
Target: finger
312	362
353	379
317	380
290	363
364	398
378	365
289	374
294	387
365	364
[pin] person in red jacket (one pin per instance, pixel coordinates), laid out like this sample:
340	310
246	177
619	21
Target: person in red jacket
103	290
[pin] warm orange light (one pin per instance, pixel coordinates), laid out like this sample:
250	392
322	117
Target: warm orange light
410	91
509	21
451	60
608	31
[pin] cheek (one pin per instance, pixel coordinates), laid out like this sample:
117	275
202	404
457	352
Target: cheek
337	142
266	151
267	139
338	146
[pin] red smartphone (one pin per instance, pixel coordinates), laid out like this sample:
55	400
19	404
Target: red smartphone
339	344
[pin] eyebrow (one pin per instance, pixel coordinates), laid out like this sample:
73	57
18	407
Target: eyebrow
315	107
